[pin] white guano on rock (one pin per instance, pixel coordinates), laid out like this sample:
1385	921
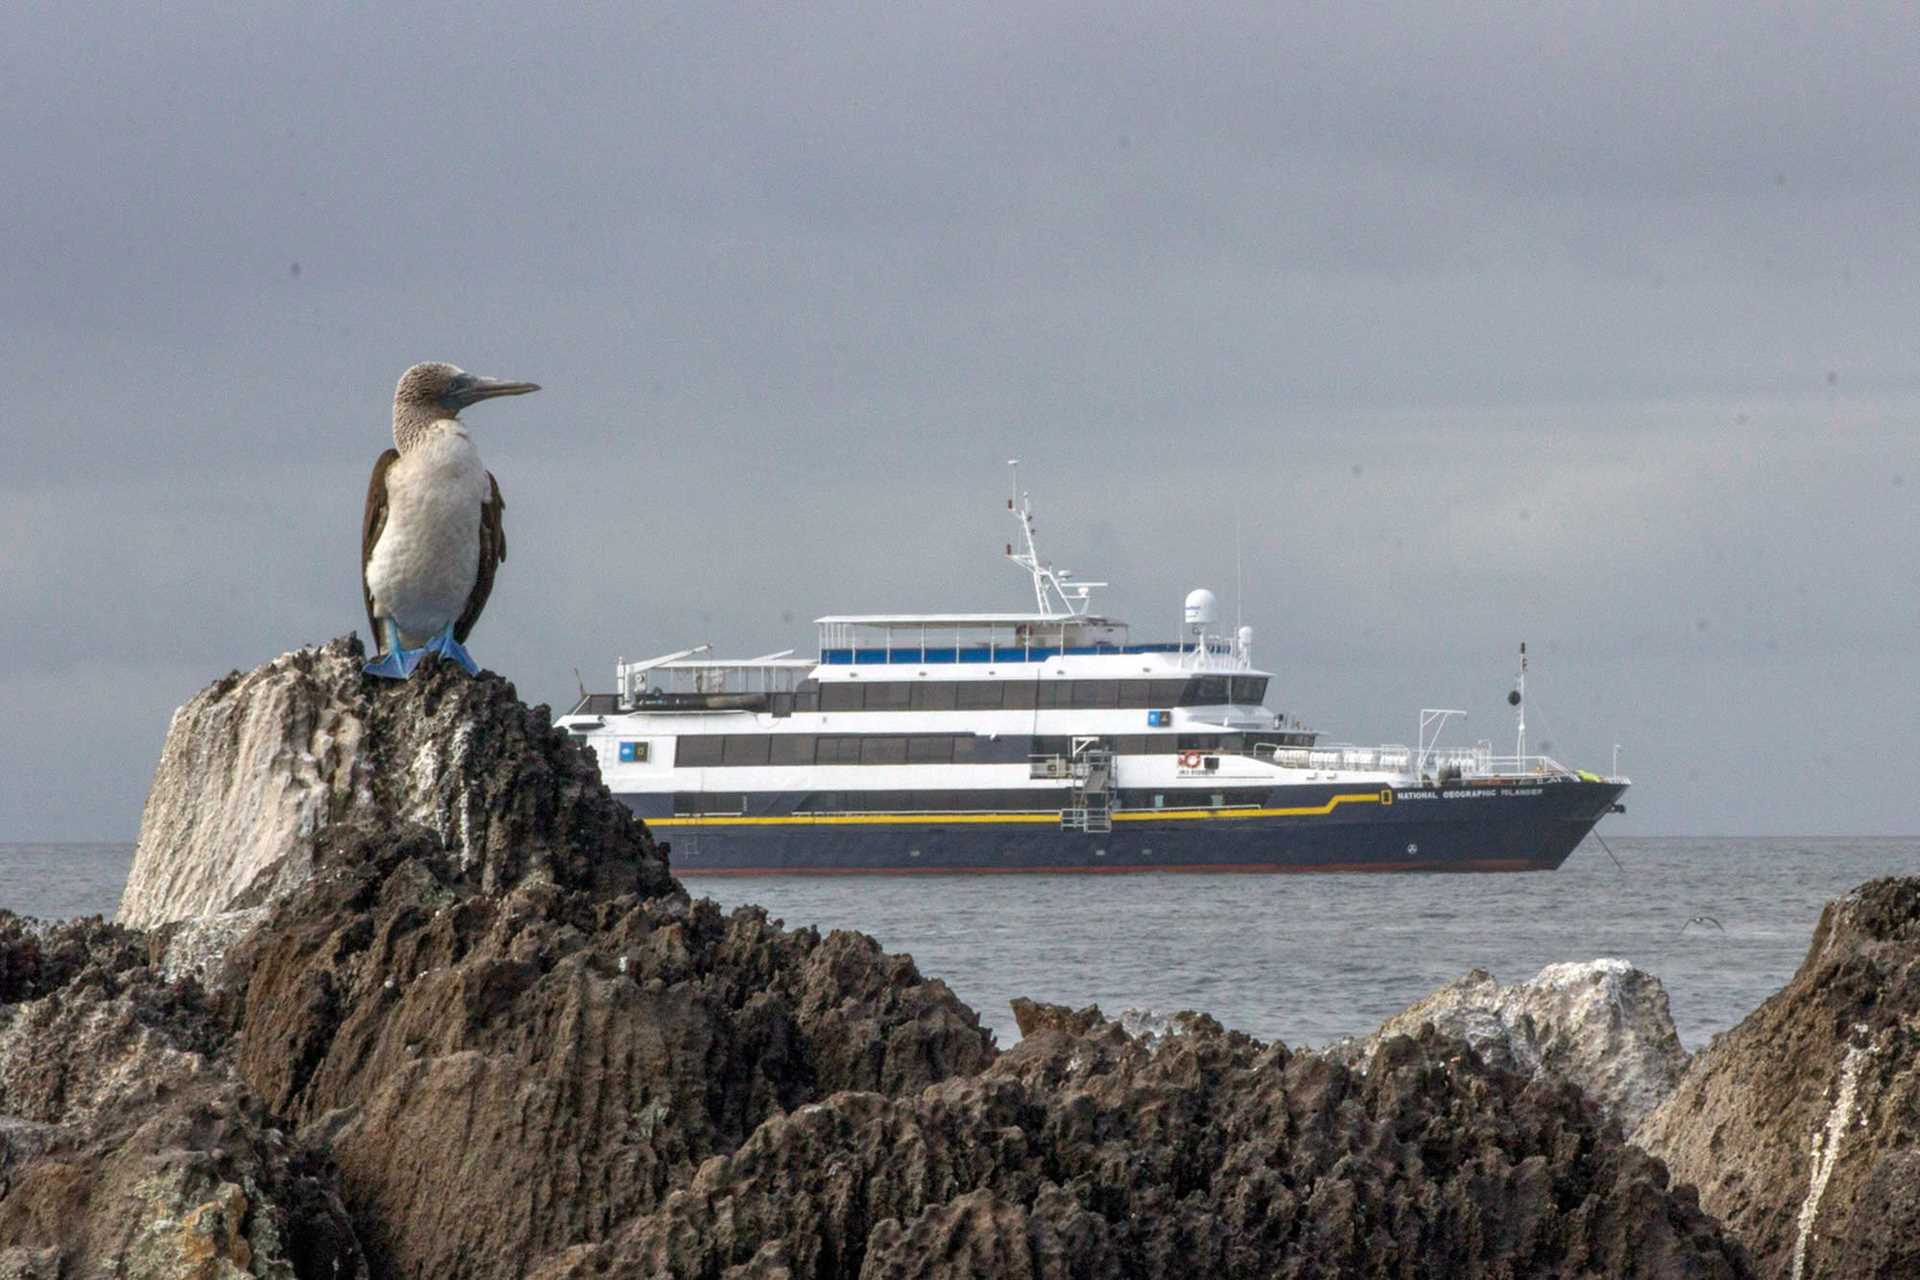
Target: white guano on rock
252	769
1603	1025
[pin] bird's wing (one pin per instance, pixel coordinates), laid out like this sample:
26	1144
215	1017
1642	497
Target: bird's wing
493	549
371	524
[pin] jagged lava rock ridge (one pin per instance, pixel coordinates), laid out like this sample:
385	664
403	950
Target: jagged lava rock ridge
1602	1025
1801	1126
258	766
1087	1152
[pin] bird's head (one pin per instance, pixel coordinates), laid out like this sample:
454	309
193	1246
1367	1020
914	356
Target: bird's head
445	389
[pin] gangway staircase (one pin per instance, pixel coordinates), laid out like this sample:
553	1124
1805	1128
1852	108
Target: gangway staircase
1088	771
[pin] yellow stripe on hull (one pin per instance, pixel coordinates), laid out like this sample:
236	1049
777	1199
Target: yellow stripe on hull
1051	817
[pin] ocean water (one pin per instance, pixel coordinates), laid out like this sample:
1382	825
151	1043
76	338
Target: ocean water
1301	958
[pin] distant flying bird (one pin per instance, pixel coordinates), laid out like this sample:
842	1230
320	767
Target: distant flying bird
432	536
1703	920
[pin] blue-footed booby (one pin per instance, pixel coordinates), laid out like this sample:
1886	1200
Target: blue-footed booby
432	536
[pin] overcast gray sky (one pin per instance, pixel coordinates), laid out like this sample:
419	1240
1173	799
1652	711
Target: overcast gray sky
1590	325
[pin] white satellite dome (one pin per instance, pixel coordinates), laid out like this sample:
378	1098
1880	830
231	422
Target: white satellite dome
1202	609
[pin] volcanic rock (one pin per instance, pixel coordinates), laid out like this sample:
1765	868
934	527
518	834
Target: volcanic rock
501	1075
1604	1025
258	766
126	1147
1091	1153
1801	1126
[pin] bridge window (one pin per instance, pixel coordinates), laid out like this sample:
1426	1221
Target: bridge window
1249	690
1205	691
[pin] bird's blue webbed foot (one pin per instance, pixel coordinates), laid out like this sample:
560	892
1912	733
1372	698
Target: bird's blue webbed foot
396	663
445	645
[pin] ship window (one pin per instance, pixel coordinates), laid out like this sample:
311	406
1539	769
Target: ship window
1205	691
838	750
1096	693
980	695
840	697
1021	695
807	700
965	749
1050	745
792	748
684	803
1249	690
883	751
1137	694
824	802
722	802
1198	741
890	696
939	695
697	751
1051	693
1130	744
745	748
930	748
781	704
1166	693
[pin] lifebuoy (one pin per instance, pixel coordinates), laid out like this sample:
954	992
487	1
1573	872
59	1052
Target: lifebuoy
1189	759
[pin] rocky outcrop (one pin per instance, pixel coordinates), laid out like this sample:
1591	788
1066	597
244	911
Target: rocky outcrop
258	766
127	1145
549	1061
1604	1026
1093	1153
1801	1126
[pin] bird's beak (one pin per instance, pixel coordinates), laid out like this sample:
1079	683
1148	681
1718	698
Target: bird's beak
470	388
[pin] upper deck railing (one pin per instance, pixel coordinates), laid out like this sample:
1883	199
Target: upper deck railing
1467	765
985	653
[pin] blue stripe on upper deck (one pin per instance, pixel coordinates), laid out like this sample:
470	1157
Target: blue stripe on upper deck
990	653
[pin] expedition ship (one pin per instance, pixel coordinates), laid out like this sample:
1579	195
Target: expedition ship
1049	742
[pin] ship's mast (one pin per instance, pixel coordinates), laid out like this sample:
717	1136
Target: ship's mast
1054	592
1520	707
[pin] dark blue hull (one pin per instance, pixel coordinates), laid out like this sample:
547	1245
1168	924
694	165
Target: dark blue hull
1510	827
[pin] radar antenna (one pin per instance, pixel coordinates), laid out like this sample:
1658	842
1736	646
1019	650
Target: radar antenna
1055	591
